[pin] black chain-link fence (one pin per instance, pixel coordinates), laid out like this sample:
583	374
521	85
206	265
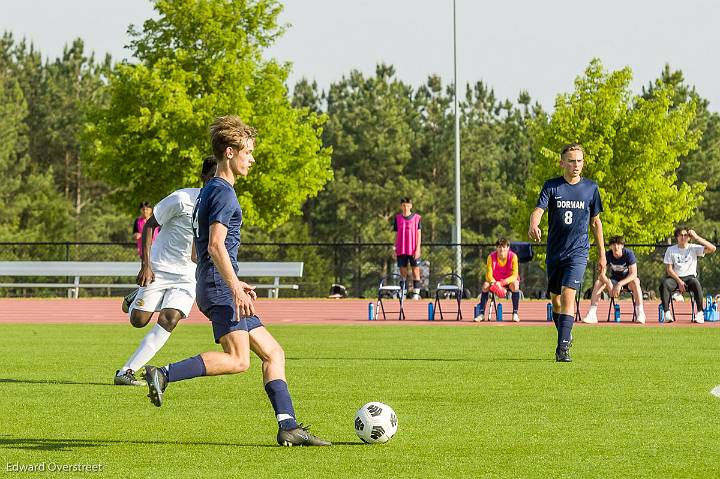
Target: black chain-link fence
357	266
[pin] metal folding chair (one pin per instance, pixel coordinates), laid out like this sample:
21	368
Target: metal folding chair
449	290
693	306
611	308
391	291
491	306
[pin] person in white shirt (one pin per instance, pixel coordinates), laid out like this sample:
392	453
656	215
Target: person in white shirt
166	277
681	268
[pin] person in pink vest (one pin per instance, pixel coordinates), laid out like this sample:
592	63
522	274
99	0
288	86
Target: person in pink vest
146	212
407	244
502	273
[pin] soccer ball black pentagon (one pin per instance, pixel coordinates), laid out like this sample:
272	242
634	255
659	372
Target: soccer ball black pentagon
375	422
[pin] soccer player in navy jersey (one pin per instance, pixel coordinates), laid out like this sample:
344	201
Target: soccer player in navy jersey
223	298
573	203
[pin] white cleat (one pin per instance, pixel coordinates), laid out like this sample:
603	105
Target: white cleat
591	317
516	318
479	317
699	317
641	317
669	317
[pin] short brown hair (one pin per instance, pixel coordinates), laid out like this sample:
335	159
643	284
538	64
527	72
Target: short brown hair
572	147
617	239
502	242
679	229
230	131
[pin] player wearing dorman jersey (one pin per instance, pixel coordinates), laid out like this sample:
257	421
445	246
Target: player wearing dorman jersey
573	203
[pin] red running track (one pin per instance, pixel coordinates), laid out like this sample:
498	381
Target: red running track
314	311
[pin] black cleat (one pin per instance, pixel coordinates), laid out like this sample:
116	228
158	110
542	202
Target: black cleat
128	300
156	382
300	436
562	355
127	379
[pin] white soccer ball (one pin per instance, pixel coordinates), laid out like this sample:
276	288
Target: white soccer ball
375	422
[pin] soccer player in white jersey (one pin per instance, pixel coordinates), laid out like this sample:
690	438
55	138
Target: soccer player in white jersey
166	277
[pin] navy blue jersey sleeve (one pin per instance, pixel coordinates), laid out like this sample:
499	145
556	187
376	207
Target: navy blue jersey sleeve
544	197
631	259
220	209
596	204
419	224
136	226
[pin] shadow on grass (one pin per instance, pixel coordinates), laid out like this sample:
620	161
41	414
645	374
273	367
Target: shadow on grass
458	360
47	444
522	360
50	381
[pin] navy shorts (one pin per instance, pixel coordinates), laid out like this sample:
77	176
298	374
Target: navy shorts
565	273
404	259
224	321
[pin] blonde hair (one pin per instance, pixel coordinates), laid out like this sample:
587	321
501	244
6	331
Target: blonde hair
230	131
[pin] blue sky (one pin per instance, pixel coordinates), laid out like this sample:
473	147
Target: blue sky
511	45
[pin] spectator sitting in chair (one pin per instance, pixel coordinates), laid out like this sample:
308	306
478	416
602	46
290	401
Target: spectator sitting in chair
681	267
622	264
502	272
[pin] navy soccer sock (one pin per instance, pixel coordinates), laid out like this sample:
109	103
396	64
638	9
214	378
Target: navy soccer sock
555	320
565	322
279	395
185	369
483	301
516	301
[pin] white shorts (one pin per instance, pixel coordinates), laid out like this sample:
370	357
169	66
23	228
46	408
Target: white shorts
168	291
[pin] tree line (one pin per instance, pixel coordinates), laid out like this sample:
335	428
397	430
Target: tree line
83	141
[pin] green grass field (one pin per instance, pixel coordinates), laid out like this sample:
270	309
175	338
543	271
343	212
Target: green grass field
471	402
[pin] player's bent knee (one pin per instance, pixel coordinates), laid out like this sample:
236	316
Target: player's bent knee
239	365
139	319
169	319
277	355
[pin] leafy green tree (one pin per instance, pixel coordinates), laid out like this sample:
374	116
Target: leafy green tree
57	95
433	158
633	148
701	165
30	207
371	128
200	59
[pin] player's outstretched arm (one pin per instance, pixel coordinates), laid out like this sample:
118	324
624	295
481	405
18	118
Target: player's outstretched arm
597	229
534	231
221	259
146	274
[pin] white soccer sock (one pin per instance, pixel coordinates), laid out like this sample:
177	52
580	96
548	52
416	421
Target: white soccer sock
150	345
593	307
639	308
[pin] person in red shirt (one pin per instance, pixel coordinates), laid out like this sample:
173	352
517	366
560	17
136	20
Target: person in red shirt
502	273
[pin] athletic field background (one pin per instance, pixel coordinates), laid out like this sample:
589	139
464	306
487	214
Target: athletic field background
471	402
